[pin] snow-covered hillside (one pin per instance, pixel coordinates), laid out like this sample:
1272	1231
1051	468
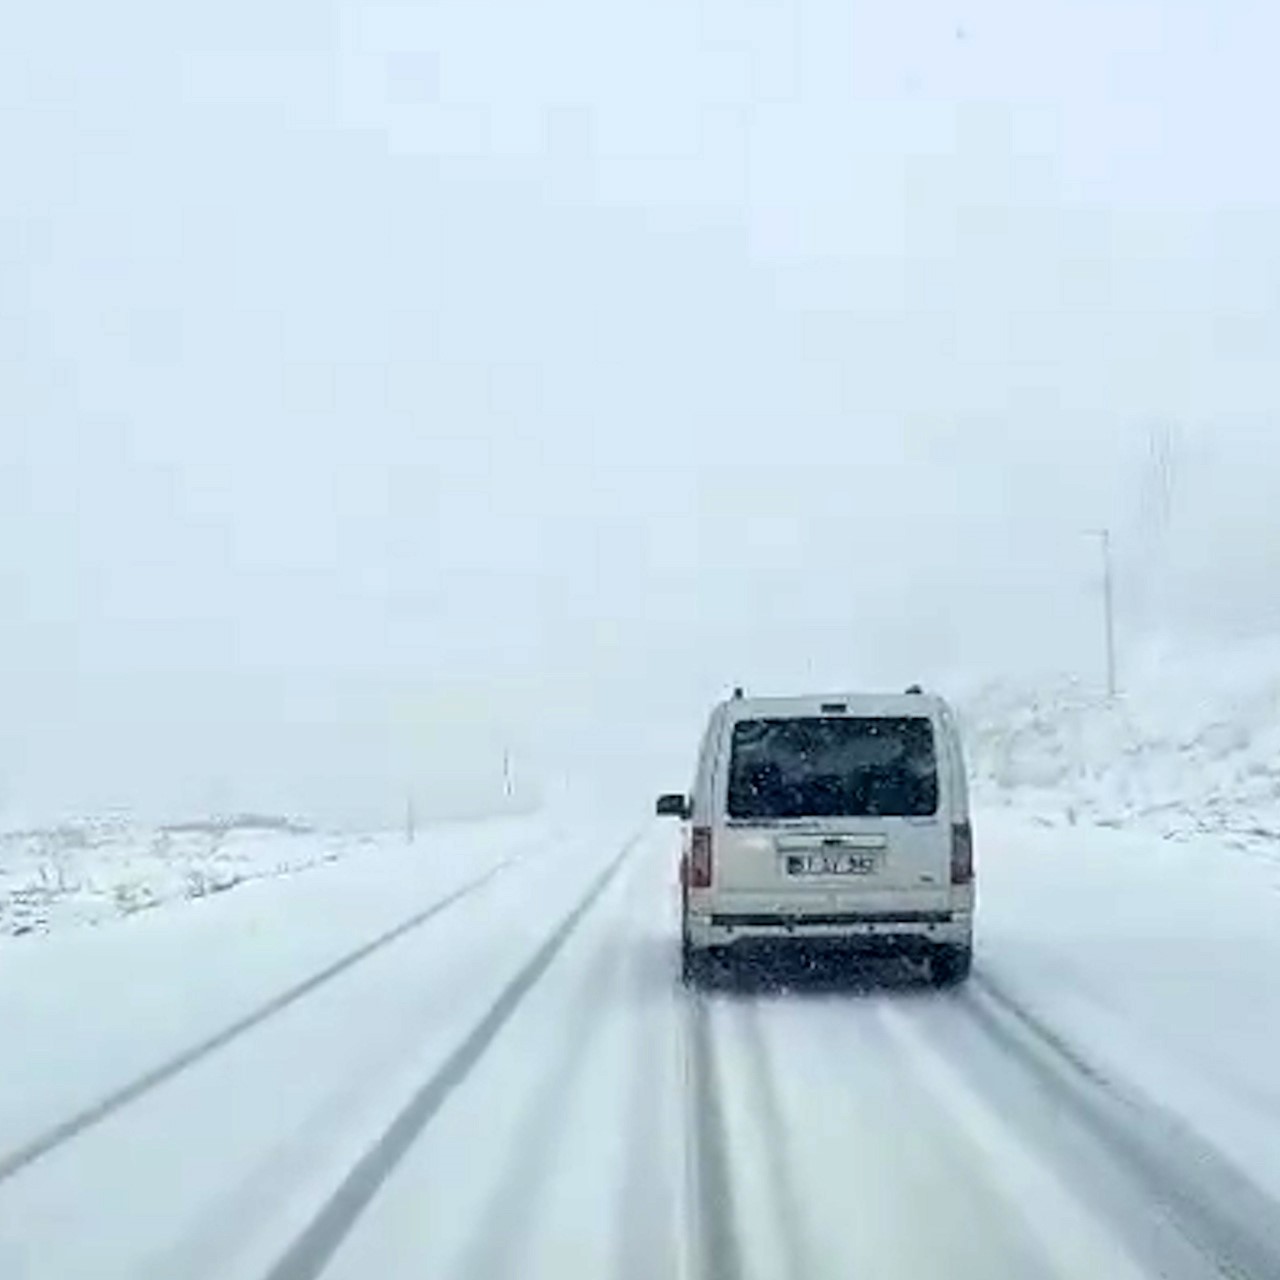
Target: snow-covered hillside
1192	745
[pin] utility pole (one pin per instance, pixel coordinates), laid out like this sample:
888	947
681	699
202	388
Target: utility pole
1109	609
508	776
410	819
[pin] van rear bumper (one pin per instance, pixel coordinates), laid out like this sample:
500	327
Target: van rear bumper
881	931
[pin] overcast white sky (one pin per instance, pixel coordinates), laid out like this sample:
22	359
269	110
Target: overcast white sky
382	383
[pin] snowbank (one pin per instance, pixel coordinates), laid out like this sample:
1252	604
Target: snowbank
91	871
1191	747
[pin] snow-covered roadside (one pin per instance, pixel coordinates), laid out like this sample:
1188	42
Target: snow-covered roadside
1190	747
97	870
93	871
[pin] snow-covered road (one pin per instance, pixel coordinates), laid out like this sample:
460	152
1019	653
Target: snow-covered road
482	1065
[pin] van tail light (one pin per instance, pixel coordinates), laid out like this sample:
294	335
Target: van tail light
962	853
700	858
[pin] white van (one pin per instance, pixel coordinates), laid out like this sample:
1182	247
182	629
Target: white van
829	821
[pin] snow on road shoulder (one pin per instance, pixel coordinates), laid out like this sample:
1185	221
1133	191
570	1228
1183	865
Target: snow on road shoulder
1156	959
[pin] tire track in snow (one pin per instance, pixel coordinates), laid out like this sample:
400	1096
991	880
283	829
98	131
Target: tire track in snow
310	1252
503	1228
1229	1220
94	1114
762	1088
715	1244
1074	1241
647	1237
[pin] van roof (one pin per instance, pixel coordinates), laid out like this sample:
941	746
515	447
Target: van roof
854	704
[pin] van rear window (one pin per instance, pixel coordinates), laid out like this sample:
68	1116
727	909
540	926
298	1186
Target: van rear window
829	767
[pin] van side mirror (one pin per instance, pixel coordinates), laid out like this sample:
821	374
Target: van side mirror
673	806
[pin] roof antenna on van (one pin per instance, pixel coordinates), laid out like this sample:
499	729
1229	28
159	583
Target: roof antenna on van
737	692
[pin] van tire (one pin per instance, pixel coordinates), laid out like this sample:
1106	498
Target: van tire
693	968
696	966
950	966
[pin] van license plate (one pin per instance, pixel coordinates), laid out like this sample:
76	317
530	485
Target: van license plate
831	864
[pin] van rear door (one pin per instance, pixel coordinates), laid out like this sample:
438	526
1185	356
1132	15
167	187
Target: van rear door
840	811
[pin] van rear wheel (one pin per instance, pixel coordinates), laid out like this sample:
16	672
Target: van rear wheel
693	968
697	965
950	966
